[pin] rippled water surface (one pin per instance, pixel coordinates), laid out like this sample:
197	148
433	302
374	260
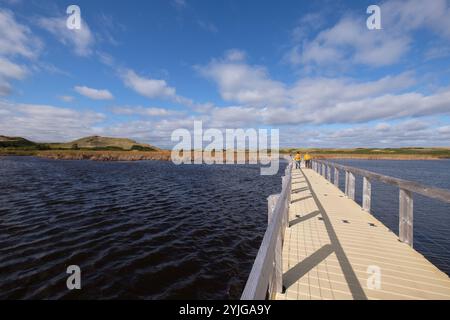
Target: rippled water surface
139	230
153	230
431	217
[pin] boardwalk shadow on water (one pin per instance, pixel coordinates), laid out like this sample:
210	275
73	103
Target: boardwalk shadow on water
303	267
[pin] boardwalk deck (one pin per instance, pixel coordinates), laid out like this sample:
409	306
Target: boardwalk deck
332	248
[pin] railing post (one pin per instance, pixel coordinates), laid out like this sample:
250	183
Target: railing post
323	169
351	185
336	177
271	202
367	194
278	266
276	284
405	229
328	173
346	183
285	219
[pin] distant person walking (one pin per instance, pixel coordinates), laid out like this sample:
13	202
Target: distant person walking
298	160
308	160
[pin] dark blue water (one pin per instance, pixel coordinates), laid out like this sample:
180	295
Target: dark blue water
431	217
141	230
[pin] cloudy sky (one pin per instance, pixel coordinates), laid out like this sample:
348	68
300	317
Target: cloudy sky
311	69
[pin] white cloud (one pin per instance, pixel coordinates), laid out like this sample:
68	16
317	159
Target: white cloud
387	106
152	111
152	88
444	130
317	100
16	40
81	40
96	94
406	133
306	24
5	88
235	116
47	123
411	15
314	93
349	42
377	135
11	70
242	83
437	52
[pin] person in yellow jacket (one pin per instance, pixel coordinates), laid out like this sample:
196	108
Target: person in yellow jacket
308	160
298	160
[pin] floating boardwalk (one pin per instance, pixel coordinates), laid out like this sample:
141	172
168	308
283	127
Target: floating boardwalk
320	244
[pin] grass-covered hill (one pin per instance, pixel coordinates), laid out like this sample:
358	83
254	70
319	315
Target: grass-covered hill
104	143
16	142
10	145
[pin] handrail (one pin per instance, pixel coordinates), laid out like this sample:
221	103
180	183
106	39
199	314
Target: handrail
266	274
406	190
415	187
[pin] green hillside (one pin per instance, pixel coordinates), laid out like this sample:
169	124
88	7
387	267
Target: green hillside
11	144
104	143
16	142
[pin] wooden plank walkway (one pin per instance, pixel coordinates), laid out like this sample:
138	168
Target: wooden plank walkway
332	248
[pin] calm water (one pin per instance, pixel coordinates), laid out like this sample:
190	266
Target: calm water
146	229
431	217
153	230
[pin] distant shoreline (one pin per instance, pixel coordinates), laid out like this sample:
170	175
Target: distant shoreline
123	149
165	155
381	157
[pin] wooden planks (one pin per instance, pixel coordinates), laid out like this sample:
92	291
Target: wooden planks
336	250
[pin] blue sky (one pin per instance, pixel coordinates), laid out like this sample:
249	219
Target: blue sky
311	69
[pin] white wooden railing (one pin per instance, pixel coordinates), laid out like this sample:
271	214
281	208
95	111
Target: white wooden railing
406	190
266	276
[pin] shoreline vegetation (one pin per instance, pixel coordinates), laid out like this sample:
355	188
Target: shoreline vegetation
119	149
